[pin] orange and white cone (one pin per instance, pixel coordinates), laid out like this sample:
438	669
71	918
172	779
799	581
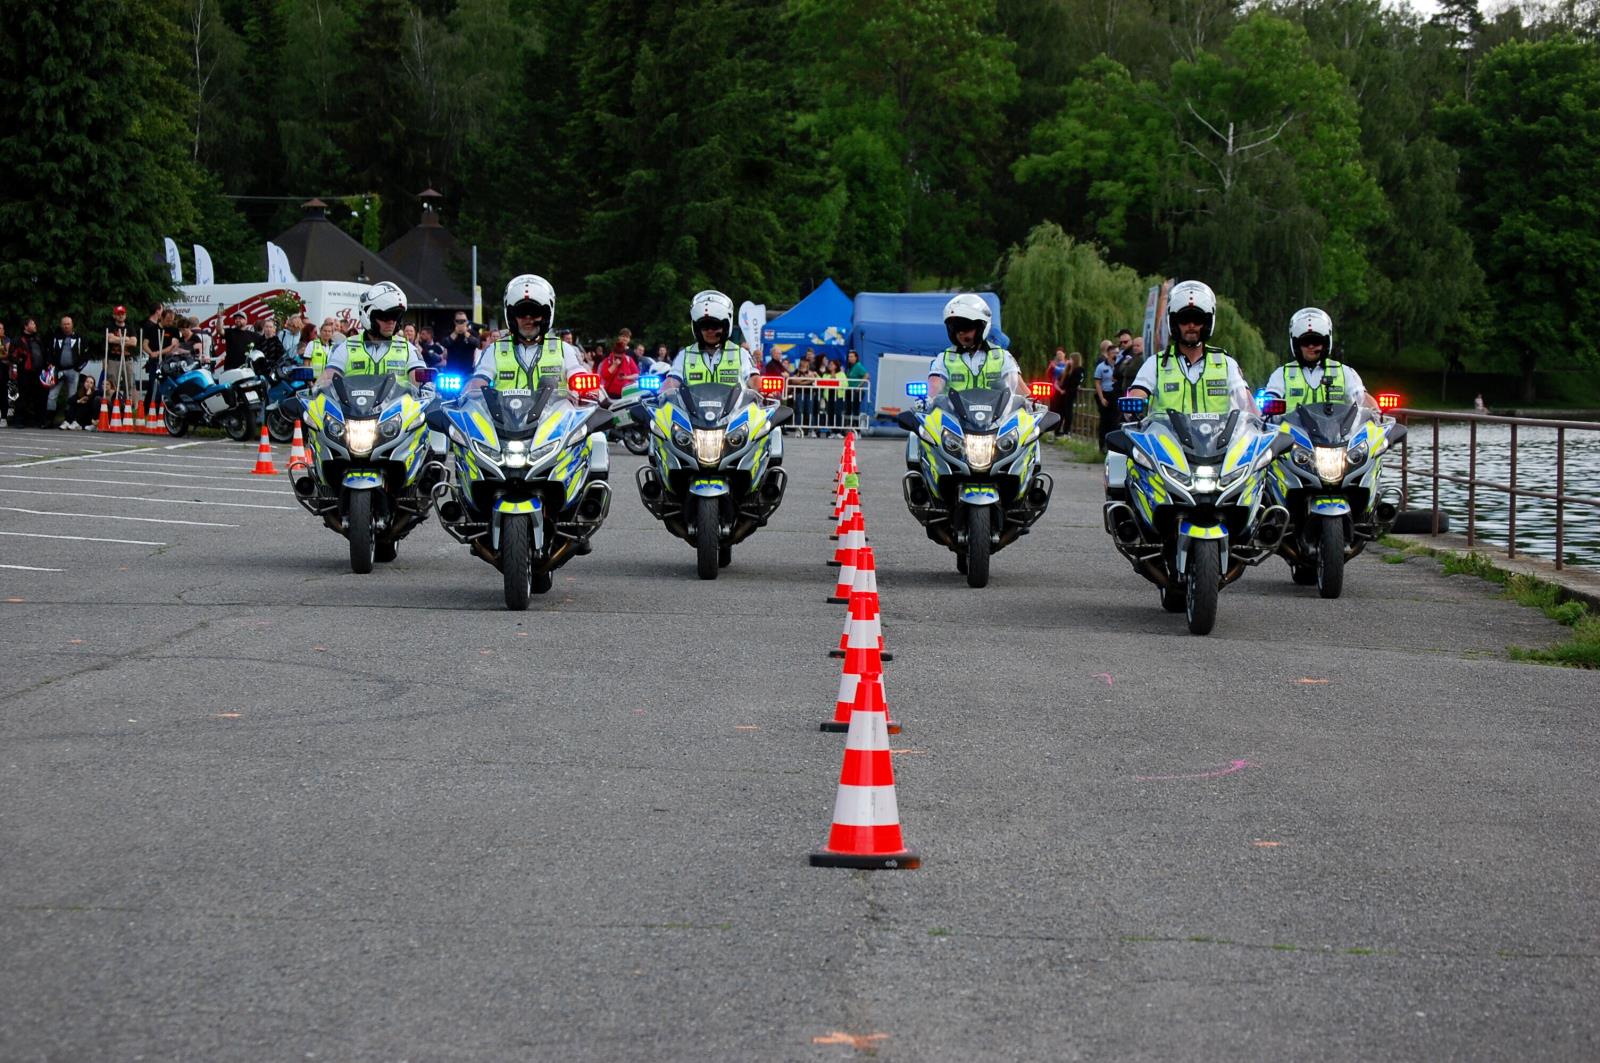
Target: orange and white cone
866	818
264	456
139	424
103	422
845	557
846	483
850	681
863	605
117	424
161	417
297	450
852	502
847	519
149	418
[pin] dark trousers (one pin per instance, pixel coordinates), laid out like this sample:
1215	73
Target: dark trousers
1109	419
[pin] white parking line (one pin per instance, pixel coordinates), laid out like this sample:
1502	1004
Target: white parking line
110	516
244	459
162	465
31	568
136	498
81	538
280	493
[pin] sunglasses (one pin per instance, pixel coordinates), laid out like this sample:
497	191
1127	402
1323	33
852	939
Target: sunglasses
387	315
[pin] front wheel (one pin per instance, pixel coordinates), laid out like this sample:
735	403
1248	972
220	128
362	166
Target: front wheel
707	544
516	559
978	546
1205	581
363	545
237	426
1330	557
636	439
176	425
279	426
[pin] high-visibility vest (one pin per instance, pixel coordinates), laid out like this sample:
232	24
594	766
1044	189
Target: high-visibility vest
1297	392
359	362
959	378
317	355
697	370
1175	391
508	371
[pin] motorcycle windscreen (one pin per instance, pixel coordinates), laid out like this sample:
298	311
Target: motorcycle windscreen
1205	435
1328	424
709	405
364	396
516	412
980	409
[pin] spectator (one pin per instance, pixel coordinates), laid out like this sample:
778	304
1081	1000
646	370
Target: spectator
269	346
27	358
293	326
302	341
461	349
623	342
1105	390
434	353
1058	372
637	354
67	355
84	409
663	353
1071	383
189	344
237	343
805	404
566	337
409	331
121	349
859	382
1130	352
617	369
775	365
154	343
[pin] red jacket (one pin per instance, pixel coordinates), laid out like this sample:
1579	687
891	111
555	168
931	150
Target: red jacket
616	371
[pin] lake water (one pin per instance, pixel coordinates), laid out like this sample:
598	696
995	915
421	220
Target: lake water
1536	469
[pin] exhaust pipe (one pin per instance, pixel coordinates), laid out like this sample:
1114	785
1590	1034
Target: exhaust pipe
916	489
773	486
305	486
1274	522
596	502
1120	523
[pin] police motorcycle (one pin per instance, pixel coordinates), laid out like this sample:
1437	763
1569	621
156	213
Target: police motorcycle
1190	513
366	442
1328	484
715	472
642	389
978	487
196	398
530	486
285	379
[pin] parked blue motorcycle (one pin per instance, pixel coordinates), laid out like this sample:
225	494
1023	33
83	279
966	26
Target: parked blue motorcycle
194	397
285	379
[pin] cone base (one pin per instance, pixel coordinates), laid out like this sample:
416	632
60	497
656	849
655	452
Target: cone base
834	599
835	727
834	564
901	861
838	655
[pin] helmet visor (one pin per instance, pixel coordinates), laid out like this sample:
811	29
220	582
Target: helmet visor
706	323
963	324
1191	315
390	314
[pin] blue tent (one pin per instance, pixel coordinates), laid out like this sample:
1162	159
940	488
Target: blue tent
819	322
907	323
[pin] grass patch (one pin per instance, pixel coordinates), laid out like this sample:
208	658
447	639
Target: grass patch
1472	565
1285	948
1360	952
1083	451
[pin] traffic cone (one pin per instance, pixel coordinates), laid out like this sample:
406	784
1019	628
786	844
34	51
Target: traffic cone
850	680
297	450
103	422
852	510
846	482
115	424
264	456
138	418
149	426
127	416
866	820
848	546
161	417
863	605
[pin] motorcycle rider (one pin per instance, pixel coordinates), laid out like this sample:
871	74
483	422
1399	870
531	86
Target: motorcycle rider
712	358
1191	375
971	361
1314	375
378	348
529	353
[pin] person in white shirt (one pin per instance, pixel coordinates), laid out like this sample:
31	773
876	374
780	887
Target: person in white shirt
377	348
1191	375
711	358
529	354
1314	375
971	361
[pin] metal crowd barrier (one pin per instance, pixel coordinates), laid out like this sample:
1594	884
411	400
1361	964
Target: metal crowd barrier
828	405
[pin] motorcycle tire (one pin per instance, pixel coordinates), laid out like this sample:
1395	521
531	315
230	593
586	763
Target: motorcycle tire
279	427
1204	583
724	556
237	426
978	546
707	537
176	425
516	559
385	552
363	543
1303	575
636	440
1174	598
1330	558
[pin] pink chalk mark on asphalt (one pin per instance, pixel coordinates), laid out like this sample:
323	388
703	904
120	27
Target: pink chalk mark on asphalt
1232	769
1104	675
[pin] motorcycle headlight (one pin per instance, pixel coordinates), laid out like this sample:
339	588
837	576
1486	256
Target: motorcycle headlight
362	436
486	452
1358	454
1007	443
334	428
1141	458
516	453
1175	474
1330	463
1205	479
390	428
951	443
737	437
708	445
681	438
980	451
1301	456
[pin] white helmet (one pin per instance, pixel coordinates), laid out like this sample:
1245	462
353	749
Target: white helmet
528	288
381	299
711	305
1310	323
1191	295
968	309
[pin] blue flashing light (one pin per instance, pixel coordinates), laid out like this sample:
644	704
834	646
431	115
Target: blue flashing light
1134	404
650	382
1261	398
448	383
917	389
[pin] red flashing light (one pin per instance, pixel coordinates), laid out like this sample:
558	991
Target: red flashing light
1389	400
582	383
770	385
1041	390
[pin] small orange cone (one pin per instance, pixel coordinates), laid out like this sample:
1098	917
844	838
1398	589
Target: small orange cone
866	819
127	416
161	417
850	678
103	422
297	450
115	424
847	516
863	605
138	418
264	456
845	557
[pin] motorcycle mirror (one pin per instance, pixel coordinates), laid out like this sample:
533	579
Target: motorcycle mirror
438	420
1280	443
1118	441
908	420
1397	432
640	415
293	408
1048	421
781	416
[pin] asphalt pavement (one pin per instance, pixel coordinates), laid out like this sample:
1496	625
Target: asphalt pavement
254	807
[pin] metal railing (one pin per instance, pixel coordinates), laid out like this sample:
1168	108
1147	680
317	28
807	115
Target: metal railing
828	405
1471	481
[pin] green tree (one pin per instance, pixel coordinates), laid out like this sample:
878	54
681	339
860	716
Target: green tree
1529	145
97	148
1059	292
